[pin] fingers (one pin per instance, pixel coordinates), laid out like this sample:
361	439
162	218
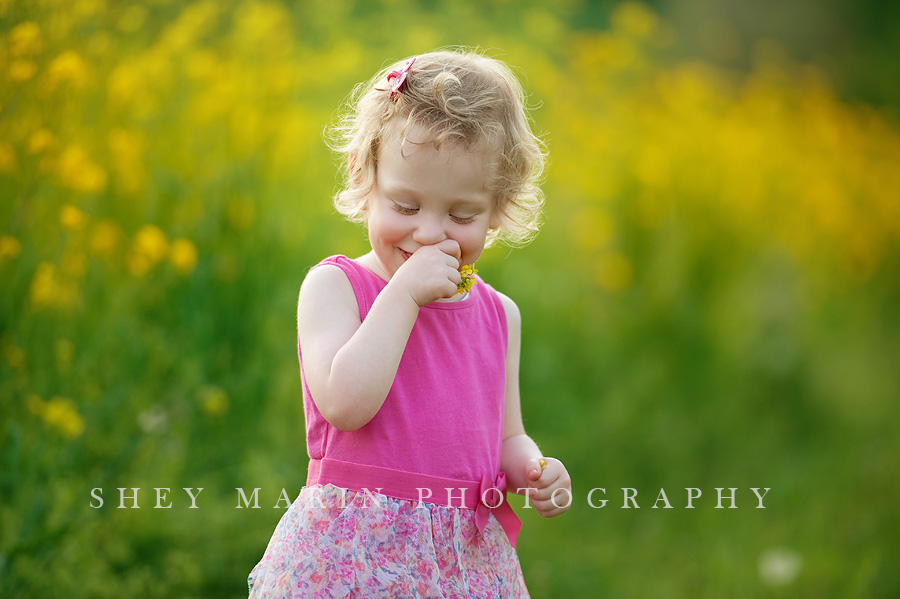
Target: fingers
451	248
551	487
431	273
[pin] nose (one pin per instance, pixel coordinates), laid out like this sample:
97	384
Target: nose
429	230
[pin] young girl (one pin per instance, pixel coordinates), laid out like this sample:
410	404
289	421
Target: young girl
410	369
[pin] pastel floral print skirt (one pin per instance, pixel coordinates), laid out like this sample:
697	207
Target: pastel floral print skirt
336	543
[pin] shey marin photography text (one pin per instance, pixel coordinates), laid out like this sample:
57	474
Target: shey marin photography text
596	498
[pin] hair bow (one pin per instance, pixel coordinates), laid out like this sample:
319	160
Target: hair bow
397	78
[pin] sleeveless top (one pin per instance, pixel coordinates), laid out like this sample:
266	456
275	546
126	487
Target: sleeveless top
443	415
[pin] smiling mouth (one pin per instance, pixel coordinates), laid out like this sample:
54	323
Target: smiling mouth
405	254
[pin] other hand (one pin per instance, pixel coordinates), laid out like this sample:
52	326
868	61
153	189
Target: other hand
552	487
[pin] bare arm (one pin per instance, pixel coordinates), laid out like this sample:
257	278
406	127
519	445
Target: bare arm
350	365
521	458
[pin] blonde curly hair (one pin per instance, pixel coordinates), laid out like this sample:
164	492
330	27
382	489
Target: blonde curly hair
459	96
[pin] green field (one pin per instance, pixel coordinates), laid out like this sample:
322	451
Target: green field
711	303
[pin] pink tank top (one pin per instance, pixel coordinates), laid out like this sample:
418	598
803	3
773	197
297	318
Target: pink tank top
444	413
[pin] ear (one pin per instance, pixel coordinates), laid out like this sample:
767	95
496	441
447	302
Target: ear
496	219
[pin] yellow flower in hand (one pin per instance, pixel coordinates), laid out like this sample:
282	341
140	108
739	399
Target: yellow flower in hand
468	278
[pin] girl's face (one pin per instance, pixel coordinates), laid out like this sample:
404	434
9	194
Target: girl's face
423	195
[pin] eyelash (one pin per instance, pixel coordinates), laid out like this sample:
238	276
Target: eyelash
460	220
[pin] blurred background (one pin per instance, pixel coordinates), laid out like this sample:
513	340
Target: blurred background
712	301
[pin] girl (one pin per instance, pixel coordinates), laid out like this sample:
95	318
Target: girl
410	373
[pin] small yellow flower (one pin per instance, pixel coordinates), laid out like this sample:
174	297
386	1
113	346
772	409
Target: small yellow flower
39	141
10	247
62	415
51	288
7	158
22	70
72	218
468	278
59	414
25	39
44	286
106	237
150	246
183	256
69	67
213	400
77	171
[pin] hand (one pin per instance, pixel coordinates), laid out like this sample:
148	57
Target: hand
431	273
554	478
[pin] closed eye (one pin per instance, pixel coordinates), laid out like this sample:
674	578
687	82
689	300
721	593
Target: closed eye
463	220
404	209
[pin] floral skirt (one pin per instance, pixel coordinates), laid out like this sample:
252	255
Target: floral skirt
336	543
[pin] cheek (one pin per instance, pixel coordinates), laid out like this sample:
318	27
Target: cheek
395	226
472	241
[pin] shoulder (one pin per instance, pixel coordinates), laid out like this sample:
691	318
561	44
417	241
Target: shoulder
513	329
326	286
513	316
325	278
325	274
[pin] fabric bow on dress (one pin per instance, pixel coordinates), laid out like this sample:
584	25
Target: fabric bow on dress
492	500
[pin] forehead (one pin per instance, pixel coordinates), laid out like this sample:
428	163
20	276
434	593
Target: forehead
405	133
410	158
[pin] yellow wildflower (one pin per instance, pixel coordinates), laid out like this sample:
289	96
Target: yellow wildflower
468	278
77	171
44	286
72	218
124	83
68	67
213	400
39	141
49	288
150	246
22	70
25	39
60	414
105	238
7	158
10	247
183	256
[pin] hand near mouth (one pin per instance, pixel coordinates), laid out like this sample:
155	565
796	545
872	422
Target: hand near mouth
431	272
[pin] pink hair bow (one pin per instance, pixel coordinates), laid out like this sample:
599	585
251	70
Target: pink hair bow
397	78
